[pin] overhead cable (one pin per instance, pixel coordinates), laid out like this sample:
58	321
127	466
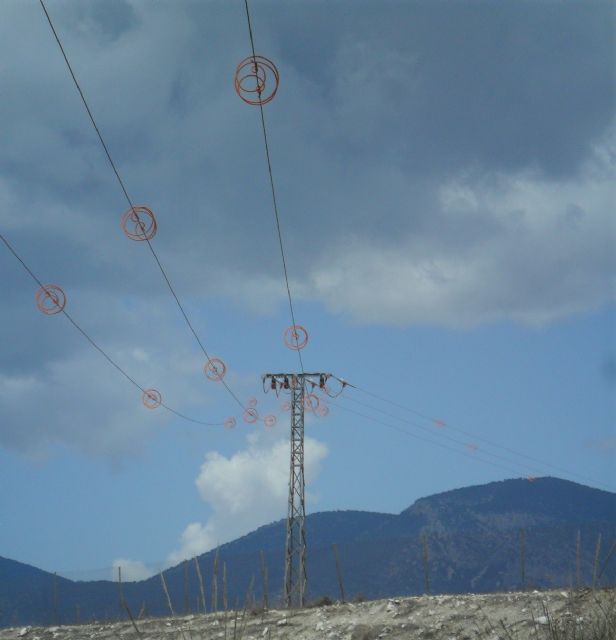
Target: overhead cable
419	437
128	199
94	344
272	187
449	425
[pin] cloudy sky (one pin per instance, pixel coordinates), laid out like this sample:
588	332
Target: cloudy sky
445	178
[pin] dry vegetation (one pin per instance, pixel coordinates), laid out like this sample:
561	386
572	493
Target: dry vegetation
550	615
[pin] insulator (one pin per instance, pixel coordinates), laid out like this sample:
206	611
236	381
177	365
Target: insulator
139	223
256	80
215	369
273	385
295	337
321	382
151	398
50	299
285	384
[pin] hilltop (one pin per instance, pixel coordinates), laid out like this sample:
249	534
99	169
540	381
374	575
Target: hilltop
459	541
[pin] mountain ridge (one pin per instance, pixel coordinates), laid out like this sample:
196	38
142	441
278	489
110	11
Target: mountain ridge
472	536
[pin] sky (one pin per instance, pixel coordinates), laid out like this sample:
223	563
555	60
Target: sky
444	174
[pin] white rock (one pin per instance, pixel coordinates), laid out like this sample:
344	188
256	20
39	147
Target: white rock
282	622
265	631
320	626
392	605
24	631
542	620
564	594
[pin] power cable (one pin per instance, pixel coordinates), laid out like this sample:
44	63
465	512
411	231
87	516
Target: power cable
440	433
440	444
273	189
447	424
418	437
94	344
128	199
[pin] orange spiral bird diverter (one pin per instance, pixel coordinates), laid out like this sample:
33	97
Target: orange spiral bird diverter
295	337
215	369
250	415
256	80
151	398
139	223
50	299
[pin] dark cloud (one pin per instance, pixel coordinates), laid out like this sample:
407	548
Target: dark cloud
441	84
435	162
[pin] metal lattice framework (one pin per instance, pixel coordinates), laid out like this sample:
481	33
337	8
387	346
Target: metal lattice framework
295	549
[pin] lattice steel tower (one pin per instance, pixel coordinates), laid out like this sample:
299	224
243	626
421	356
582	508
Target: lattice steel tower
295	548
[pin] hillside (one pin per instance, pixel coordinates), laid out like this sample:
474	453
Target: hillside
473	544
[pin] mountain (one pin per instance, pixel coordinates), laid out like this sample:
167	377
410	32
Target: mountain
468	539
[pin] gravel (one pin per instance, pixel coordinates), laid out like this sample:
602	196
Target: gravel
505	616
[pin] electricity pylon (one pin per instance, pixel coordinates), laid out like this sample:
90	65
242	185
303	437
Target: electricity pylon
295	548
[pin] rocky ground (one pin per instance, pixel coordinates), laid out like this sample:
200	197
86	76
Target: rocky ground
554	615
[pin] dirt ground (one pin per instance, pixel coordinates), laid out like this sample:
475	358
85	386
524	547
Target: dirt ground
509	616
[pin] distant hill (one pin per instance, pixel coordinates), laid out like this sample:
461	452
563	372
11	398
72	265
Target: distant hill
472	539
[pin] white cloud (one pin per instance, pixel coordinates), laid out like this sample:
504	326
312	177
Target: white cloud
245	490
132	570
534	250
78	400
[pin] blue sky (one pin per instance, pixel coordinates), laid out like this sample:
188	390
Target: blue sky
445	180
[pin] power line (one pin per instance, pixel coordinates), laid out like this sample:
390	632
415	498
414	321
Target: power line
273	189
440	433
94	344
475	436
128	199
418	437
